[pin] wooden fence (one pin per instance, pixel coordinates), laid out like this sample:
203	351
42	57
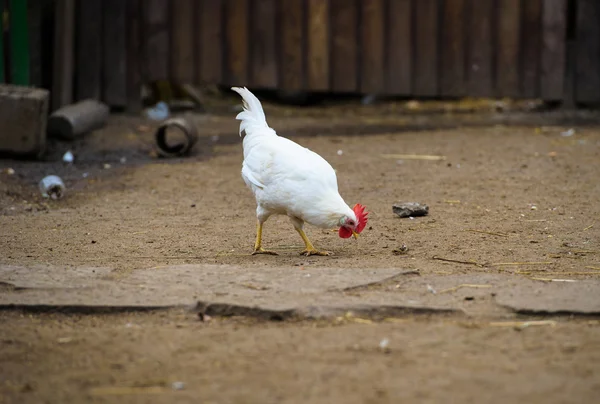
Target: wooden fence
413	48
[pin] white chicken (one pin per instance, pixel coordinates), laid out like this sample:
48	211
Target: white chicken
291	180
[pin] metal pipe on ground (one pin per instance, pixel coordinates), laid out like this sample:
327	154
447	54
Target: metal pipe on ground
175	137
74	120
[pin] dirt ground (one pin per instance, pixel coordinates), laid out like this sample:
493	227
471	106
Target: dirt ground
518	200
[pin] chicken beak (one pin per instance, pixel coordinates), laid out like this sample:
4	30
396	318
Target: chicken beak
355	234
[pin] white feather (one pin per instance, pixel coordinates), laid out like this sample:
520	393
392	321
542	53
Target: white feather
285	177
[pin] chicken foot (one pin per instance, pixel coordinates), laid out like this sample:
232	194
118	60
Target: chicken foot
258	244
310	249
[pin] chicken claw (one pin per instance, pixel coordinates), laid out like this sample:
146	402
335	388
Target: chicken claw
263	251
308	253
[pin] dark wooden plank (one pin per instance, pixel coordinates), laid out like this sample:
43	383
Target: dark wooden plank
554	27
263	57
2	46
452	52
531	22
64	39
508	49
134	56
318	45
210	41
35	10
114	70
237	37
41	22
480	71
156	39
372	75
89	50
291	52
425	29
399	47
344	49
587	75
183	36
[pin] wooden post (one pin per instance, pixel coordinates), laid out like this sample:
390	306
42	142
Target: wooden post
62	83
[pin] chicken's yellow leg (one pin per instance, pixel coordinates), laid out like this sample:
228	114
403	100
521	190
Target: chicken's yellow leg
258	243
310	249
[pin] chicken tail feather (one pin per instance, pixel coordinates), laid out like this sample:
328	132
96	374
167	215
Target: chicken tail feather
253	116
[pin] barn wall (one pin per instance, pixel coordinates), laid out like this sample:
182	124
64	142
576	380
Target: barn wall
413	48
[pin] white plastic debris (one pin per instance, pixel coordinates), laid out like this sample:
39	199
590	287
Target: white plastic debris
68	157
123	160
52	186
384	343
159	112
106	166
568	133
340	152
431	289
178	385
9	171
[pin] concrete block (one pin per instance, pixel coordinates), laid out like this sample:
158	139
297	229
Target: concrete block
23	114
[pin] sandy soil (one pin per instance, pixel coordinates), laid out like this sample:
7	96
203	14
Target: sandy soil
503	195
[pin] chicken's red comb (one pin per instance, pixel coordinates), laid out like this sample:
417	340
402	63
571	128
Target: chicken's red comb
361	217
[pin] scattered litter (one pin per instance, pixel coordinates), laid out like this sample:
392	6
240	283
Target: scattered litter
431	289
457	261
175	137
340	152
568	133
501	264
520	325
403	250
9	171
410	209
491	233
384	345
204	317
85	175
368	99
412	105
158	112
178	385
465	285
254	287
123	160
106	166
68	157
553	280
52	186
413	157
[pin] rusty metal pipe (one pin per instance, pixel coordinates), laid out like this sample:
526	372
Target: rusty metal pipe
167	148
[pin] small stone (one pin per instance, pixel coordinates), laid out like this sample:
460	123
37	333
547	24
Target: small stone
340	152
410	209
